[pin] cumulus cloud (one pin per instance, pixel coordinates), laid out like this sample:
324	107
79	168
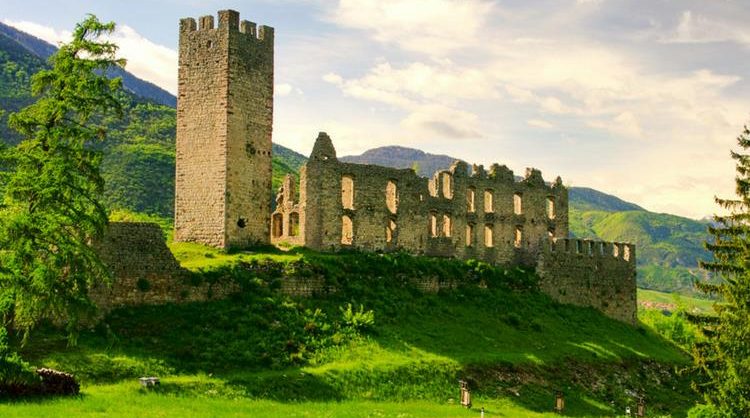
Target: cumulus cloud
522	63
424	26
145	59
426	92
45	33
697	29
286	89
540	123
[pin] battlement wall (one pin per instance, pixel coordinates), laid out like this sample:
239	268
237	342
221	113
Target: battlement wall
224	128
229	20
598	274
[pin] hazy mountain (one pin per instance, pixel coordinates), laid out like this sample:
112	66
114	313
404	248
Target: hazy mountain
43	50
425	164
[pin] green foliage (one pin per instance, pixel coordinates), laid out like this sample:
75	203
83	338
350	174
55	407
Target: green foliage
673	326
127	216
704	411
13	370
724	358
357	320
51	208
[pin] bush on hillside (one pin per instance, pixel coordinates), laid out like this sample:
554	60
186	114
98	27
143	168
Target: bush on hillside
16	377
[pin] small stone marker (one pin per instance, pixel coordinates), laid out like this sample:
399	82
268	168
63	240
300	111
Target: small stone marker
465	394
149	381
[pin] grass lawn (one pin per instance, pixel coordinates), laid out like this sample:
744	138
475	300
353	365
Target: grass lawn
127	399
261	354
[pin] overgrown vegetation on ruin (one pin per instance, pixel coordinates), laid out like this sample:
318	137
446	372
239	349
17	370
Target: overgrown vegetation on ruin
514	344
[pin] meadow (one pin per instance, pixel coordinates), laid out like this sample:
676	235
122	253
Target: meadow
376	347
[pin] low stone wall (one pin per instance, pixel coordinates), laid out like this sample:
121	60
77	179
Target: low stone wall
580	272
144	271
590	273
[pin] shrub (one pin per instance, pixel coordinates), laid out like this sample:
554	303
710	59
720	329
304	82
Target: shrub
357	320
16	377
704	411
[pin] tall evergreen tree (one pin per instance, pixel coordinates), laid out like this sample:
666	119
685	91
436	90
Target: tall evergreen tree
724	358
51	213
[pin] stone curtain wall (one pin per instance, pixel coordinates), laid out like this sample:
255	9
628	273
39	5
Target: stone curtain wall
144	271
224	122
580	272
455	214
591	273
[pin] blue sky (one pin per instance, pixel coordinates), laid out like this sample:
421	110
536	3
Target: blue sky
642	99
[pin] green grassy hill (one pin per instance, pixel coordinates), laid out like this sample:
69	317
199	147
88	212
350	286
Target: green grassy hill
262	354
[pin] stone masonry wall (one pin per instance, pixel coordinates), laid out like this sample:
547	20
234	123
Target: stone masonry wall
144	271
591	273
580	272
487	216
224	119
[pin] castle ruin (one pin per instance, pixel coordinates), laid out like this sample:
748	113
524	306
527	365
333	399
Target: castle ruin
223	186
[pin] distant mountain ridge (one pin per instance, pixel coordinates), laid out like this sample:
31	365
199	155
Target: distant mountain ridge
425	164
43	50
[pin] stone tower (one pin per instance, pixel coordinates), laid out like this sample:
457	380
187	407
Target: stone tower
224	123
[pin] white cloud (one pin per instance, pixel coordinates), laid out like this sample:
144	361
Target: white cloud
45	33
145	59
284	89
430	121
424	26
427	93
694	28
540	123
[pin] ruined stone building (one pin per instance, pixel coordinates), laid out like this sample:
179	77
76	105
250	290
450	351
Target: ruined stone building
223	184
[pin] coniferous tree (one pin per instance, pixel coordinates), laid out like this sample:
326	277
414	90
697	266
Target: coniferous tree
724	358
51	213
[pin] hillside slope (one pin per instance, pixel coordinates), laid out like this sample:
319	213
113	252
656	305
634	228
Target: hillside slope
135	85
425	164
415	346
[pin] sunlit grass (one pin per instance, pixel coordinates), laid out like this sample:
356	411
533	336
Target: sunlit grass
689	303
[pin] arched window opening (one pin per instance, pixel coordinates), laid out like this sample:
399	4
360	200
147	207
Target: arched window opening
433	225
551	207
390	231
470	197
469	235
517	204
489	201
347	230
518	238
447	225
391	196
489	239
278	225
347	192
447	185
293	224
